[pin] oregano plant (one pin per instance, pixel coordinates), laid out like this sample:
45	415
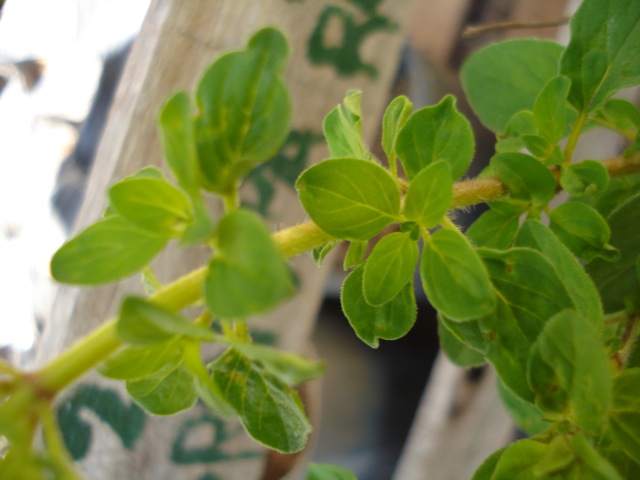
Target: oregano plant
547	293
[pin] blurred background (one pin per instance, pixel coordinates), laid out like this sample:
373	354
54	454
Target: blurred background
60	62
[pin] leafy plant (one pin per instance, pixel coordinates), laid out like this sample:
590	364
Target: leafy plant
548	295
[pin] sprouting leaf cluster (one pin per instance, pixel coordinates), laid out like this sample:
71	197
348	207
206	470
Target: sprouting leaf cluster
546	292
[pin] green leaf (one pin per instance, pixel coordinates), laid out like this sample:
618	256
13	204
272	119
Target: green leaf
624	420
456	350
525	177
454	278
355	254
201	227
519	126
518	461
143	323
394	119
550	111
584	178
390	321
590	463
569	372
485	471
436	133
136	362
429	195
602	55
620	115
540	148
342	129
108	250
270	411
151	204
165	392
583	230
525	415
618	191
319	253
290	369
504	78
389	268
248	274
318	471
179	143
494	230
617	282
349	198
244	110
577	283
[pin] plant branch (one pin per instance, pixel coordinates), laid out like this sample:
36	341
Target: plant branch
473	31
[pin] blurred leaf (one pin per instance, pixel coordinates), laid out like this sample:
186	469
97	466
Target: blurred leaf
136	362
525	415
457	351
624	420
319	471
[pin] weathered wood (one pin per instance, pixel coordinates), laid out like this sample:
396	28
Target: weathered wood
178	39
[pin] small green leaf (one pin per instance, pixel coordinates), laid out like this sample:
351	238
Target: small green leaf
390	321
389	268
248	274
601	57
550	111
244	108
569	372
395	117
583	230
165	392
584	178
349	198
179	143
436	133
518	461
454	278
620	115
504	78
456	350
577	283
525	415
541	149
319	253
318	471
525	177
494	230
143	323
270	411
342	129
485	471
624	420
355	254
429	195
519	126
108	250
151	204
135	362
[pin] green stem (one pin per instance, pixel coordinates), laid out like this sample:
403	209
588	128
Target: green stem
574	137
231	199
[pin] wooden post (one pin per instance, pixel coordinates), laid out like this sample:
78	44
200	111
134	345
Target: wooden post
178	40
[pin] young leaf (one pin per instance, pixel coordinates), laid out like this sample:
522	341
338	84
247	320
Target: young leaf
394	119
525	177
457	351
248	274
494	230
620	115
355	254
349	198
270	411
577	283
443	133
584	178
108	250
583	230
569	372
143	323
244	109
485	471
151	204
504	78
601	57
165	392
454	278
319	253
519	126
319	471
136	362
624	420
389	268
519	460
179	143
390	321
342	129
550	111
429	195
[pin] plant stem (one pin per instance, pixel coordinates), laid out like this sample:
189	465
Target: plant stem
574	137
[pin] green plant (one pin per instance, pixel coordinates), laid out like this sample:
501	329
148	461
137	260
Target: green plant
548	295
